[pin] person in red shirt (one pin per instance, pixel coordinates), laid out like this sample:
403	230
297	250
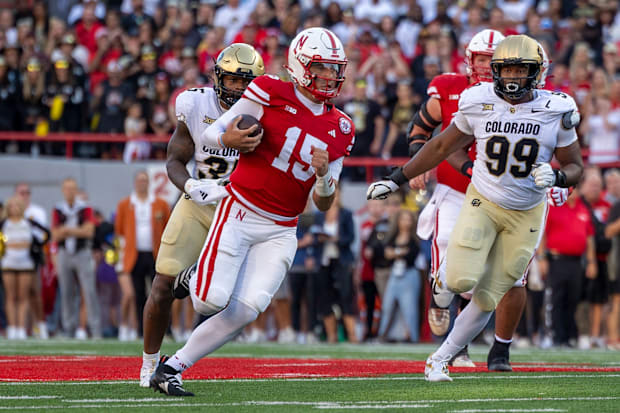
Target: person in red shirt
569	235
596	288
86	28
252	242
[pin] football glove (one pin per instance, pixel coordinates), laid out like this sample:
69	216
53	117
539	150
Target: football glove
557	196
381	189
543	174
204	191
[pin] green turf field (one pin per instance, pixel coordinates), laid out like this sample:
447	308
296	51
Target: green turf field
539	391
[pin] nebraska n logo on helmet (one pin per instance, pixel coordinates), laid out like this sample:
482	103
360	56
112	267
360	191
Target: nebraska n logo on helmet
483	43
317	47
517	50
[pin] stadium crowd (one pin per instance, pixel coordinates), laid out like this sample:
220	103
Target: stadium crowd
117	66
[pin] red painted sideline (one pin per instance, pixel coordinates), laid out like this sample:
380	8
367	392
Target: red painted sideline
85	368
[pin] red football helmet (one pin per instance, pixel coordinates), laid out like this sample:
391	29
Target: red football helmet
483	43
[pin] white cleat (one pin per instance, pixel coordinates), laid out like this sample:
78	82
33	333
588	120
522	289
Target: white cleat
463	360
145	374
437	369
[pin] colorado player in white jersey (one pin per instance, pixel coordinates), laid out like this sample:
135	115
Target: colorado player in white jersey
517	129
191	218
251	246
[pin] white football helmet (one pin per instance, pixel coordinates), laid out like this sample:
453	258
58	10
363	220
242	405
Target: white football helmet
322	48
545	68
484	43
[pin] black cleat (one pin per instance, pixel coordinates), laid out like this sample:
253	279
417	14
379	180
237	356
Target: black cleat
180	289
499	357
165	380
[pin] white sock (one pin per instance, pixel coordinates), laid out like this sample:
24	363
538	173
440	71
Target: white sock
150	360
213	334
467	326
503	340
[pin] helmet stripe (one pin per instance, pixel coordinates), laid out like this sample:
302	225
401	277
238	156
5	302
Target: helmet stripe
331	39
491	39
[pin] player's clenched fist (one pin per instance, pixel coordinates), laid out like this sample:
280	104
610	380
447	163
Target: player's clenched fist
543	174
320	161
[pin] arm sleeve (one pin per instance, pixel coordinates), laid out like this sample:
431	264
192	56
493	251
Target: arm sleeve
566	137
212	134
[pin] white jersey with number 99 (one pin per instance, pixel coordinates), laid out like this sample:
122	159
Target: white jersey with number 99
510	139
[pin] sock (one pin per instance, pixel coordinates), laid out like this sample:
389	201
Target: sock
213	334
502	340
467	326
150	360
179	363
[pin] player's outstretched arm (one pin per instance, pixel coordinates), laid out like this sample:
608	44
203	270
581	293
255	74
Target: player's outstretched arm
180	152
431	154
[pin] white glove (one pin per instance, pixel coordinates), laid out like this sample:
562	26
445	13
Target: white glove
557	196
543	174
381	189
204	191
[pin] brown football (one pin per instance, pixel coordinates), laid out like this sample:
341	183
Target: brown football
247	121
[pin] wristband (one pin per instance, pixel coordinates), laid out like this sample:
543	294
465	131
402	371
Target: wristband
415	146
560	178
398	177
467	168
325	185
220	141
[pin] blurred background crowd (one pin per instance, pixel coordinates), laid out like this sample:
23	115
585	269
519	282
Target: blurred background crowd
116	66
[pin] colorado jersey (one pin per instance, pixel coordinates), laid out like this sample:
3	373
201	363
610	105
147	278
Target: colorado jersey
447	89
198	108
510	139
276	178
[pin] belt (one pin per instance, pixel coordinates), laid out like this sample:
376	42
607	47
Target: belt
564	257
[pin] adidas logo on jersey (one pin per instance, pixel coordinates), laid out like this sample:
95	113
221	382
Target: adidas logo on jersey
290	109
332	133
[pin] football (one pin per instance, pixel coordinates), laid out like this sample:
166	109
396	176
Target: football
247	121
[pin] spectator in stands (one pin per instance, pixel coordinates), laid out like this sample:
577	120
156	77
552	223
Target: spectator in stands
18	265
137	16
37	214
610	60
404	110
73	229
187	30
68	106
144	85
136	147
612	231
612	185
110	103
569	235
34	111
335	233
601	129
139	224
232	17
10	98
157	113
403	288
596	288
369	126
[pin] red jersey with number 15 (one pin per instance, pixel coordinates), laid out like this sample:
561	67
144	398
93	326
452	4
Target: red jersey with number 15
277	177
447	88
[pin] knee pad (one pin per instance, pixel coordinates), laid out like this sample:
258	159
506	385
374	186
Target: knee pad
217	299
485	300
518	263
259	302
460	280
238	314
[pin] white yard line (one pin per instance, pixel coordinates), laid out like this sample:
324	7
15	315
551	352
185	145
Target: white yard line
417	377
506	410
27	397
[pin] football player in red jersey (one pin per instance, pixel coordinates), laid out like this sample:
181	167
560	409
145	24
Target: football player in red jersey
253	240
453	176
